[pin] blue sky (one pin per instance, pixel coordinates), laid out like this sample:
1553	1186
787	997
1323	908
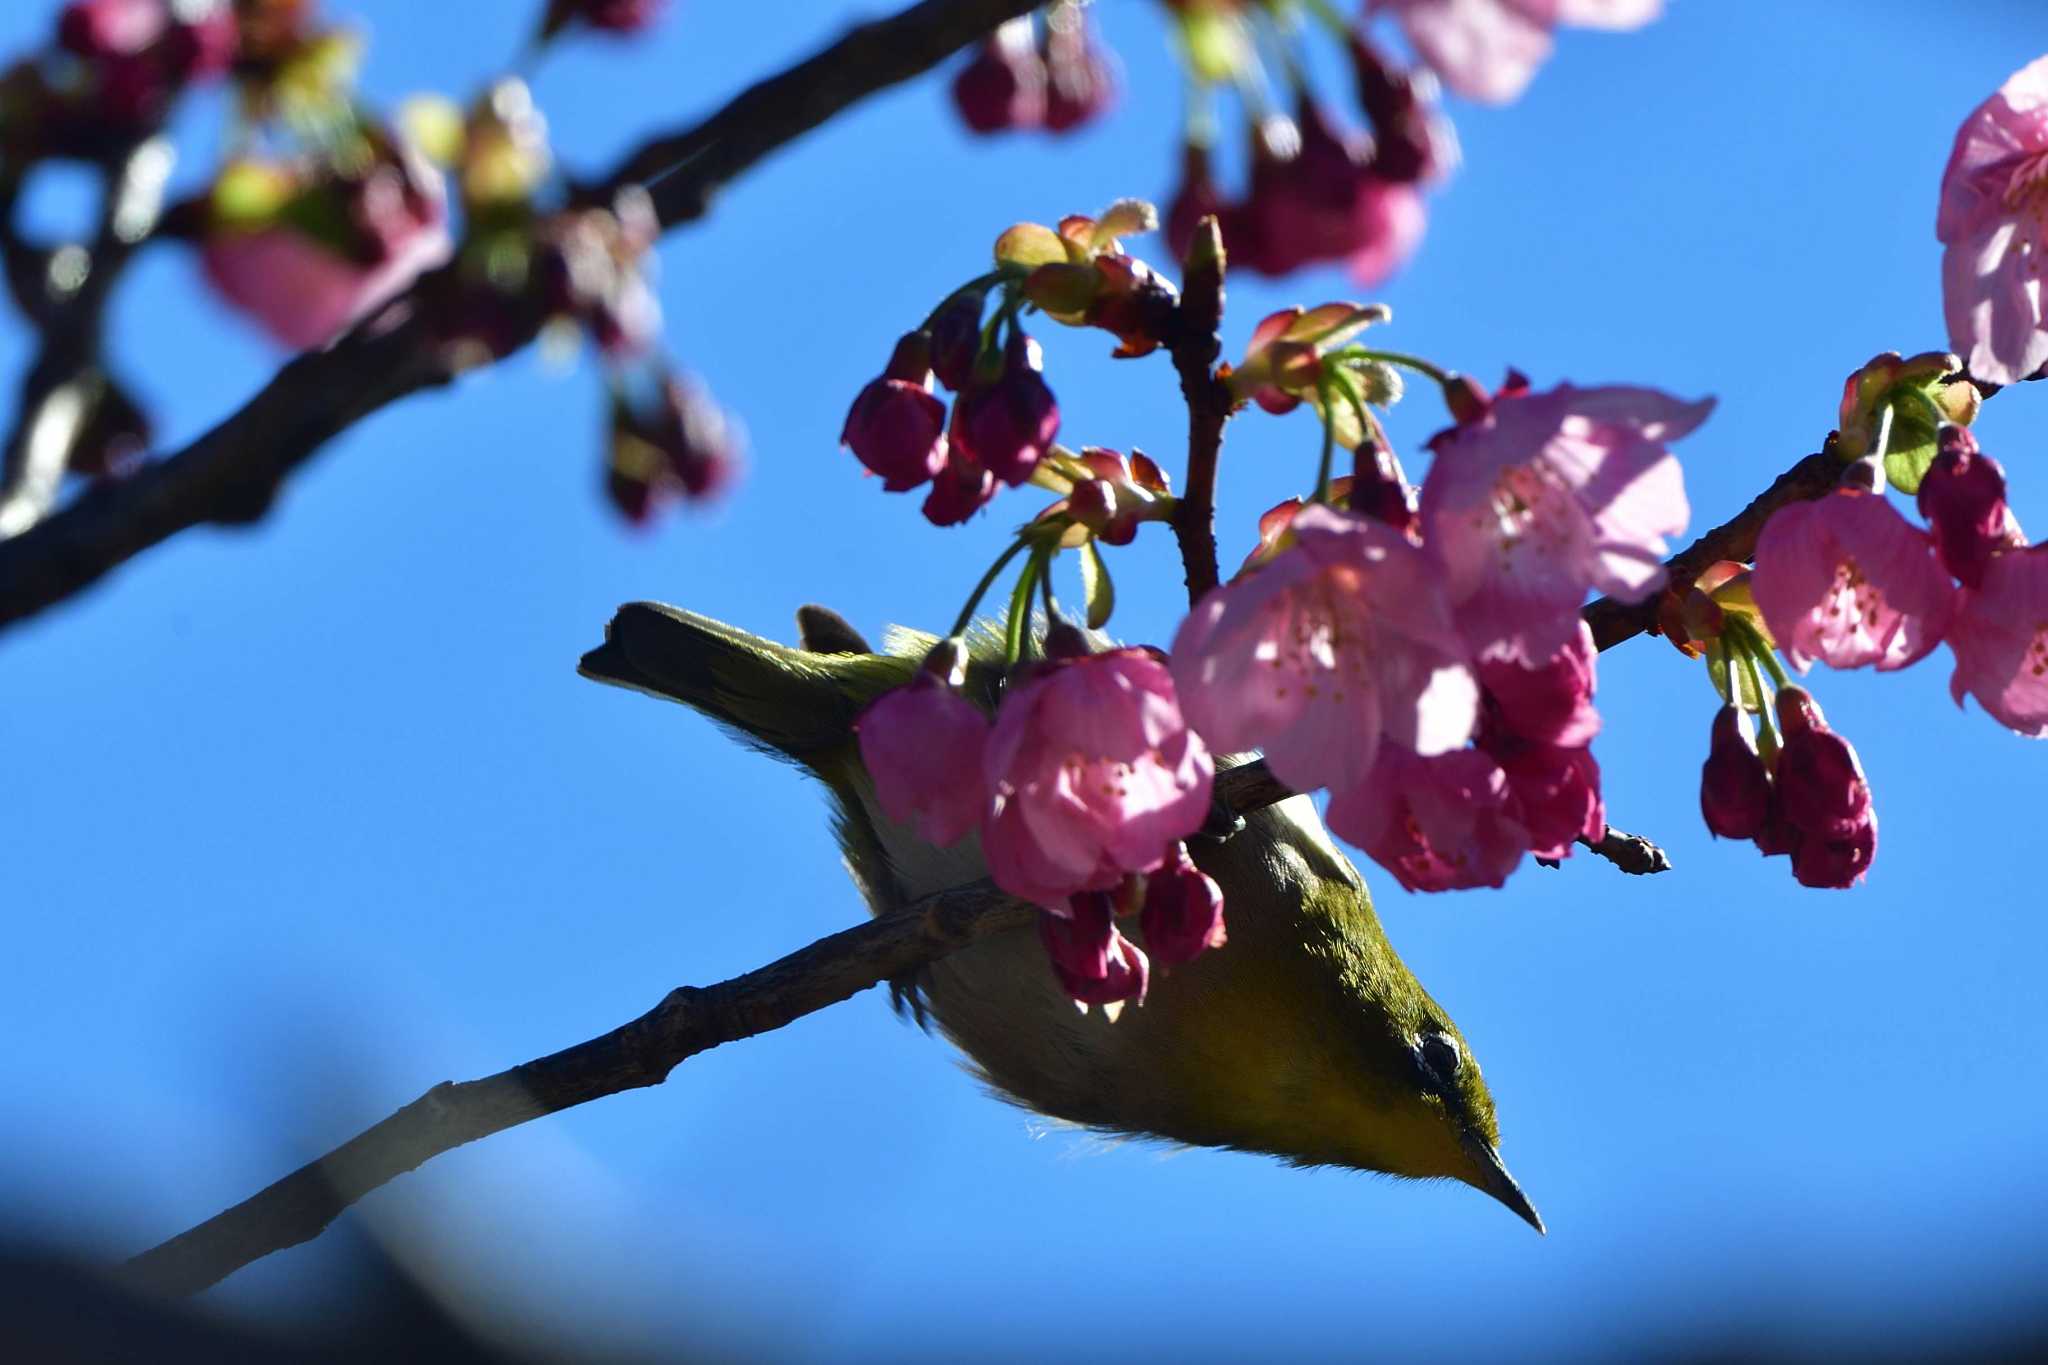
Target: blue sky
301	820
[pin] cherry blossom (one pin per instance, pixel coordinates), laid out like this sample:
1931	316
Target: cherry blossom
2000	639
1993	220
1441	823
919	743
1845	579
1489	49
1339	639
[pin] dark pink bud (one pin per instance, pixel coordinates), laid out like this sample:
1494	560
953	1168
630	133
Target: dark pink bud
959	490
1962	495
1005	425
1095	964
703	451
896	427
956	338
1196	198
1183	912
1377	491
1467	399
99	29
1550	702
1080	80
1836	864
1777	835
607	16
1412	140
1735	788
201	42
1004	86
1820	781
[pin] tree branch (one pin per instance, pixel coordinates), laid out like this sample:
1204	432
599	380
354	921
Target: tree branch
1195	345
689	1020
232	474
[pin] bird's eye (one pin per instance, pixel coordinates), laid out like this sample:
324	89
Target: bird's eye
1441	1054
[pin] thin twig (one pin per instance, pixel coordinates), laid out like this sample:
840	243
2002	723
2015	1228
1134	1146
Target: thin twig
232	473
688	1021
1195	345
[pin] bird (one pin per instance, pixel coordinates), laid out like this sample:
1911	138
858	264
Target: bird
1303	1037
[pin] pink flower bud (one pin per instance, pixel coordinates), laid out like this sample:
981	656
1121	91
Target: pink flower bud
1095	964
956	338
1735	788
1006	424
1195	198
1003	87
1183	912
1836	864
1820	781
607	16
959	490
920	743
896	427
1962	495
1080	78
1095	774
1412	140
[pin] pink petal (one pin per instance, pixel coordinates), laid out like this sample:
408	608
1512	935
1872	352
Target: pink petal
1847	580
1991	297
1484	49
2000	639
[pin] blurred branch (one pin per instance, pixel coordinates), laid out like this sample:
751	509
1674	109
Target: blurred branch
232	474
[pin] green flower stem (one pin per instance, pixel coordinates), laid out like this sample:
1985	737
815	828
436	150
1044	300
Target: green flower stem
978	282
1324	388
1017	625
1435	373
981	589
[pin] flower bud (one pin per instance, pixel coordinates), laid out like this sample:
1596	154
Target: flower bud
1095	964
1820	781
1962	495
959	490
1735	789
606	16
1183	912
1004	425
1195	198
1080	79
1412	140
956	338
1003	87
1836	864
896	426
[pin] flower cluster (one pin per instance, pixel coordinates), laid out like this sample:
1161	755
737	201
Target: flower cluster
1804	795
1054	76
1005	416
1427	664
1319	191
1849	581
1088	782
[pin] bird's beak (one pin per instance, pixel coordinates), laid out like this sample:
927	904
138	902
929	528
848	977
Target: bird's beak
1495	1180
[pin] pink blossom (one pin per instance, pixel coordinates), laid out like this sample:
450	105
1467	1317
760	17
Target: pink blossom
1550	702
1438	824
920	743
305	291
1095	964
1412	140
1847	580
1543	496
1183	913
1555	792
1315	197
1489	49
1080	76
1340	639
1094	774
2000	639
1994	221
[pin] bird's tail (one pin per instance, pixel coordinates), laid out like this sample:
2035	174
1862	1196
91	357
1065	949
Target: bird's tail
800	703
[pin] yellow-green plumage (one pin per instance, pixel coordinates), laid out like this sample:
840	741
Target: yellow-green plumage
1304	1036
